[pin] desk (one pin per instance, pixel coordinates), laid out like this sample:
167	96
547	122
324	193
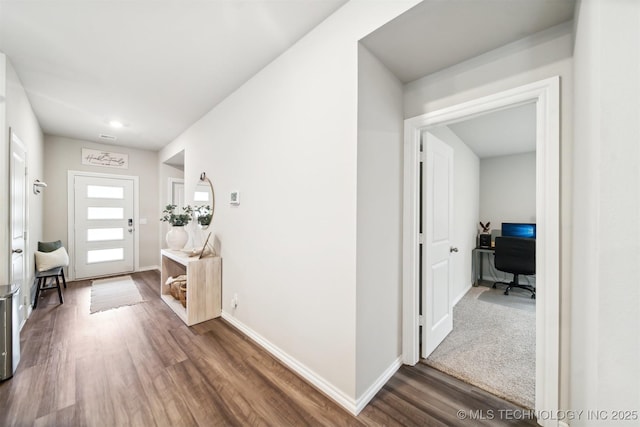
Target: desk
476	255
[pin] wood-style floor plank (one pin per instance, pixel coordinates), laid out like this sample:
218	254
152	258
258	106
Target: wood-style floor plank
141	366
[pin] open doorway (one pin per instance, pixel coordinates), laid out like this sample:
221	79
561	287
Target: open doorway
491	342
545	95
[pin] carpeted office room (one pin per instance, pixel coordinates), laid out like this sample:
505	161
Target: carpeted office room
492	344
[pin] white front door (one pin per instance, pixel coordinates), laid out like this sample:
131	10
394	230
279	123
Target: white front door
103	226
18	194
437	268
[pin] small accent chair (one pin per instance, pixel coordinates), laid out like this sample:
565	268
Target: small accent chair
54	273
516	255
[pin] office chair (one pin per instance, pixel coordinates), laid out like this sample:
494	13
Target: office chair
517	256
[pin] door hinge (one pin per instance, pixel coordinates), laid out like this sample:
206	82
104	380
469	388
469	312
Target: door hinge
421	320
421	238
422	156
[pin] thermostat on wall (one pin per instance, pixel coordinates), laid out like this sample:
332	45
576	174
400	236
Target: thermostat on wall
234	198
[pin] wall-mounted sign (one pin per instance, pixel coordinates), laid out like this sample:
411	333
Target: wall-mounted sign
105	158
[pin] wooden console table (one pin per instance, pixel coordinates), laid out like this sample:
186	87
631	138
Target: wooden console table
204	285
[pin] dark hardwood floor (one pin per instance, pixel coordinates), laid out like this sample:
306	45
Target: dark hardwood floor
141	366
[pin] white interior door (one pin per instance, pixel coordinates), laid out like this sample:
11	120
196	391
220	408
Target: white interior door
103	226
176	194
437	269
18	185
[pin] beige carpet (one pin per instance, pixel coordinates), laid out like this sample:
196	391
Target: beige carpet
492	345
113	292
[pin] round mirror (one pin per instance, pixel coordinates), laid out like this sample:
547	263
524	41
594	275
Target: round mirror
204	202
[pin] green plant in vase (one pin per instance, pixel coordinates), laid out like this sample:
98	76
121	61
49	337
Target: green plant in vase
177	237
203	214
177	219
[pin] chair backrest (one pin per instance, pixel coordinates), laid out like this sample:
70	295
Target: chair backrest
515	255
49	246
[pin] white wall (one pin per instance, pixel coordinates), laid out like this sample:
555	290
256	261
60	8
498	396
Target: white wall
23	122
379	220
64	154
605	373
466	202
532	59
4	169
508	189
287	141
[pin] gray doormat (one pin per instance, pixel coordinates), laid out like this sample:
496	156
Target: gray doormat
113	292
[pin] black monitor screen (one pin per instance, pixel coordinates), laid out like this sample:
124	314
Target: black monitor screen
512	229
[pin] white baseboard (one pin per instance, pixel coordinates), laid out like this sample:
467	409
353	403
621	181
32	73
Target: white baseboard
338	396
377	385
149	268
463	293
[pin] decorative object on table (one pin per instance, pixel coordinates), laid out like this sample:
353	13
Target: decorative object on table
206	248
484	235
177	236
204	193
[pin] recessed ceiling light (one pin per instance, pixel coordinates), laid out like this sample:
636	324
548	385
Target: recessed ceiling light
115	124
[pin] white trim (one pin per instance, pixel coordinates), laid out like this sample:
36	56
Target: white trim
314	379
461	295
371	392
148	268
27	266
172	181
411	241
71	174
546	95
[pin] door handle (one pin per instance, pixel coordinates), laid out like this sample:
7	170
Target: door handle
131	230
453	249
17	251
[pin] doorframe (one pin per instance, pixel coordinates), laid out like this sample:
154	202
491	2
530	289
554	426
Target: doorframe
172	181
546	95
25	291
71	175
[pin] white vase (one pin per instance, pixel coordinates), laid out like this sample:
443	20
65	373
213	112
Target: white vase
177	237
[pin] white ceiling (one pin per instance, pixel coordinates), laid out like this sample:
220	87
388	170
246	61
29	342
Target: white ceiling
510	131
437	34
157	66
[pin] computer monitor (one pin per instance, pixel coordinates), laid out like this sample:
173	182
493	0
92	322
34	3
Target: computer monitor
517	229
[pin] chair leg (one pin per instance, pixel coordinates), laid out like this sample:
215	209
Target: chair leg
63	279
59	290
38	286
515	284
